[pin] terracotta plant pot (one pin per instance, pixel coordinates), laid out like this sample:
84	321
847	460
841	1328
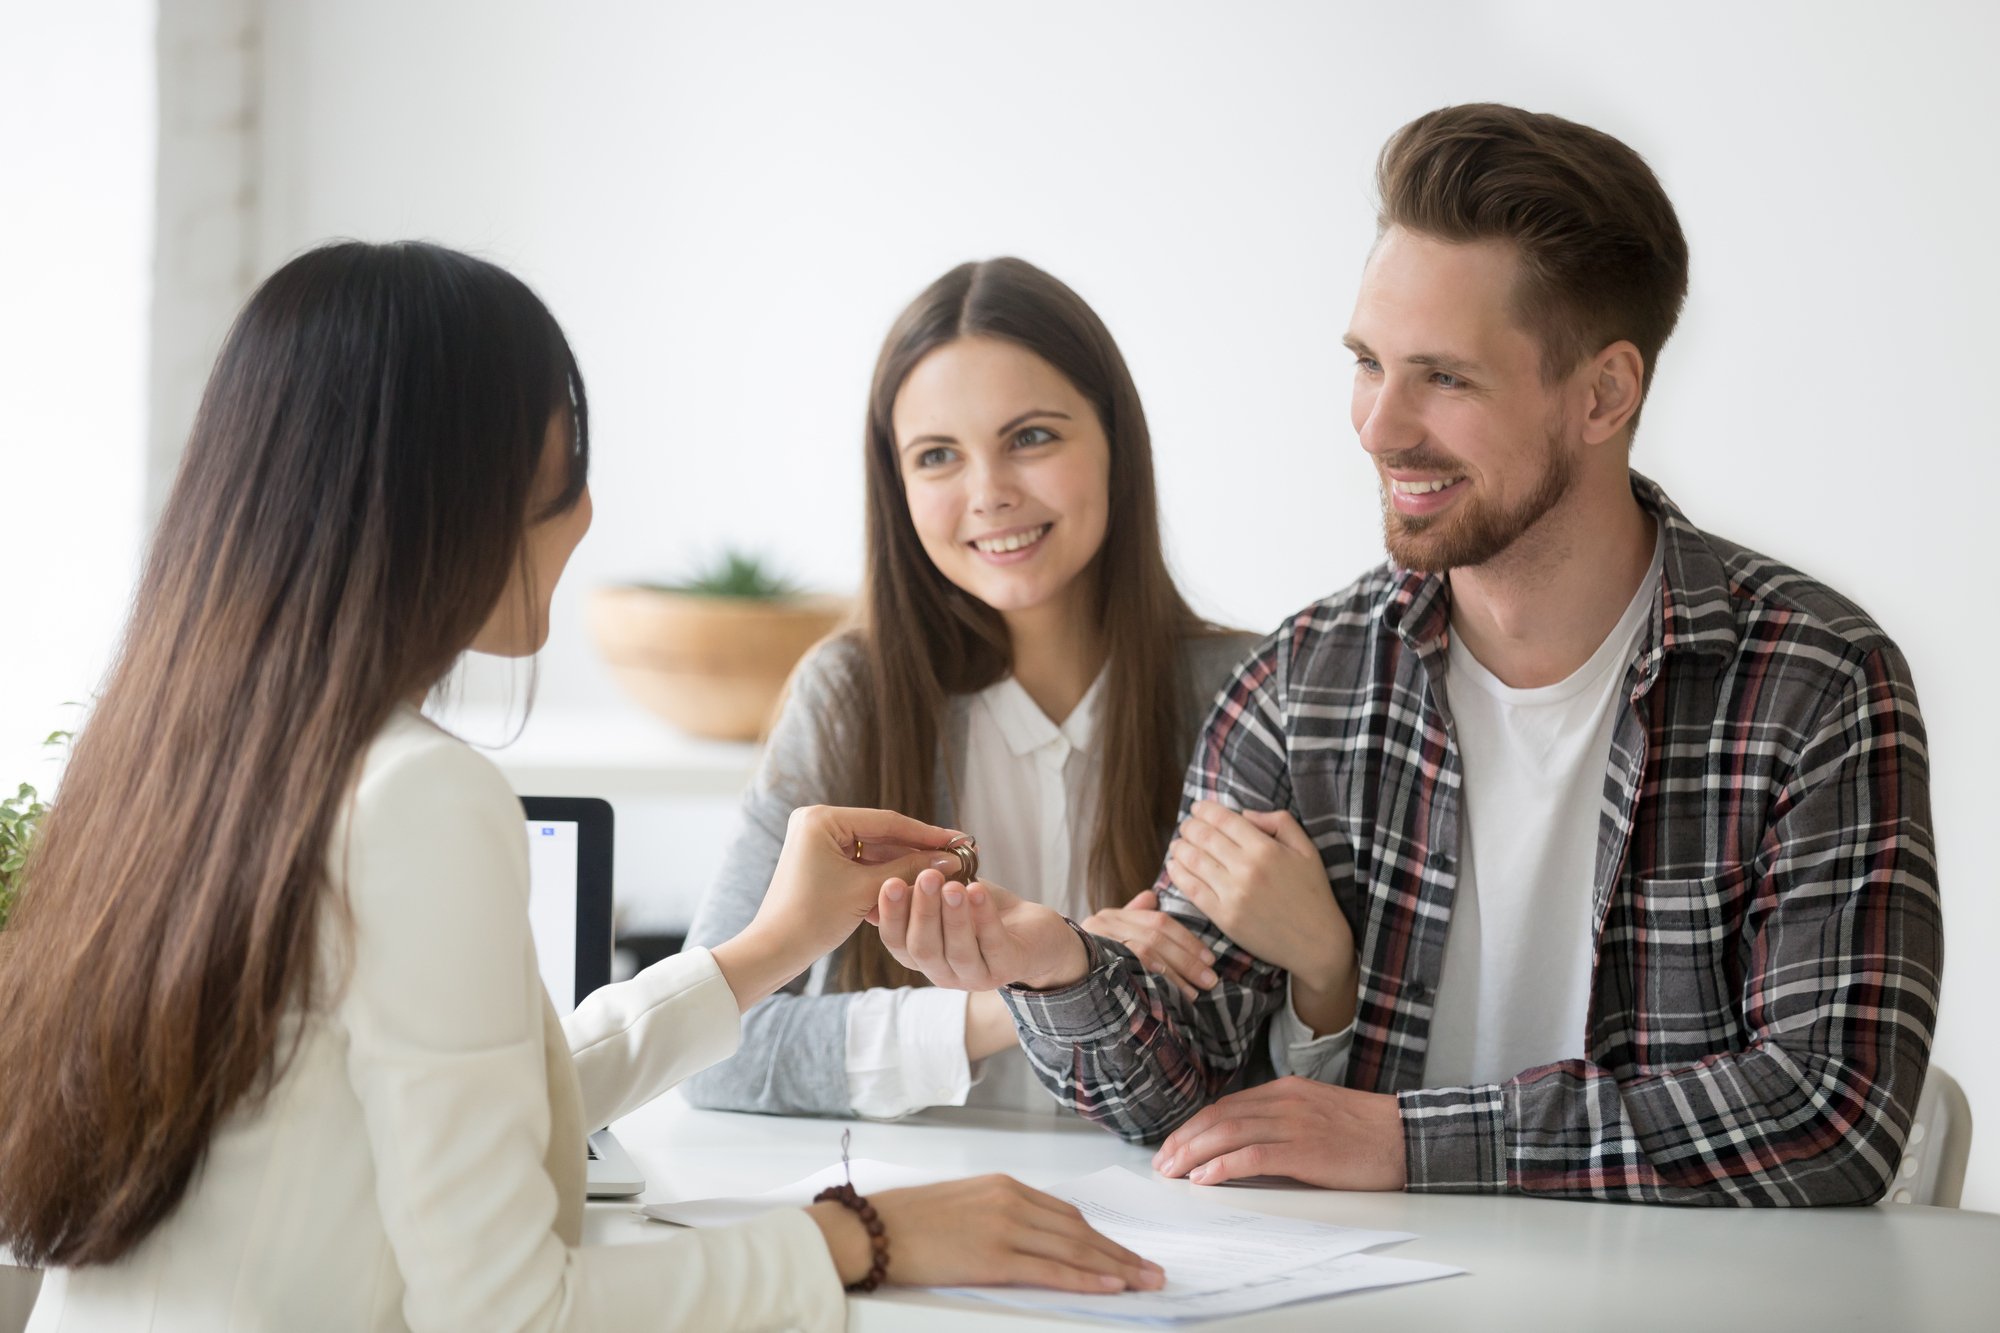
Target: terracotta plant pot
712	666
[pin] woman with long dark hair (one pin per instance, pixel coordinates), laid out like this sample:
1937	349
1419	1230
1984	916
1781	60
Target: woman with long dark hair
275	1048
1024	666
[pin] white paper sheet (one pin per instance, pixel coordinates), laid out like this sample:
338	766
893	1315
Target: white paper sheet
1219	1260
1349	1272
1205	1245
870	1177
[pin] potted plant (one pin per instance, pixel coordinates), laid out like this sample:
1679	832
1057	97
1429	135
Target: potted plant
20	817
20	814
711	654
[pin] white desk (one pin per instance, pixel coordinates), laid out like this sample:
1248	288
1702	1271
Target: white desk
1534	1264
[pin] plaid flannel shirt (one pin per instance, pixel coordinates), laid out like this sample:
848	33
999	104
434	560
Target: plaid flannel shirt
1768	935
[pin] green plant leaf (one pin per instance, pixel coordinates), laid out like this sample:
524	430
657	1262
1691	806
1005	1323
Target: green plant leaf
20	816
735	574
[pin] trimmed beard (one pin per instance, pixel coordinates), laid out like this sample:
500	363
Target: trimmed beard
1477	533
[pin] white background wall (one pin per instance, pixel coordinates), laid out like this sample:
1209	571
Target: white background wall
727	203
76	214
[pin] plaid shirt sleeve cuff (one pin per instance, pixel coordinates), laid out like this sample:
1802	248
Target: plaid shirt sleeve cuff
1086	1011
1455	1140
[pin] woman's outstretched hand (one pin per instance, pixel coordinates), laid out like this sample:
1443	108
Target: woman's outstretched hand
977	936
987	1231
820	892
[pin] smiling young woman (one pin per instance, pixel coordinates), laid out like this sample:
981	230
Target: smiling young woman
1024	666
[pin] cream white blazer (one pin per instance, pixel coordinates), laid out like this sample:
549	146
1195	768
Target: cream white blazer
400	1173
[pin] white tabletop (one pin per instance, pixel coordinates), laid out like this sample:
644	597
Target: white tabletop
1533	1263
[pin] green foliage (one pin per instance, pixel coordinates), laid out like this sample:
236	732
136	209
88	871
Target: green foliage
735	574
20	816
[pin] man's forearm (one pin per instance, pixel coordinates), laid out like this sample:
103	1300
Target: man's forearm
1065	960
1770	1133
1126	1049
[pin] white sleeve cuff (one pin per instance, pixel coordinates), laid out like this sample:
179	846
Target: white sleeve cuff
906	1051
1295	1050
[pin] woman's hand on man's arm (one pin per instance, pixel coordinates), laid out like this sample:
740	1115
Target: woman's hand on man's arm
1258	876
1162	945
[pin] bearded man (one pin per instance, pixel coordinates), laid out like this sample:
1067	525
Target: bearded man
1575	851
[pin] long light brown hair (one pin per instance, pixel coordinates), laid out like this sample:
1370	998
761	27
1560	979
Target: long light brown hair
348	511
923	639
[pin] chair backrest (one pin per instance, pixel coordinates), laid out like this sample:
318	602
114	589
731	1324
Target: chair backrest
1933	1166
17	1294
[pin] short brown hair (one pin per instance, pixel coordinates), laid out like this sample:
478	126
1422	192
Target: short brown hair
1602	253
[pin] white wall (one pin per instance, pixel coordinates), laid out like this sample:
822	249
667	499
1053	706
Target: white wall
205	258
726	204
76	208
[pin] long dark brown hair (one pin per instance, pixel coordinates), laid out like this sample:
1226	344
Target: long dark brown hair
347	514
923	639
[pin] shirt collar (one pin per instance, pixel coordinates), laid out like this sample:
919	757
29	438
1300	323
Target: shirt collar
1693	614
1026	728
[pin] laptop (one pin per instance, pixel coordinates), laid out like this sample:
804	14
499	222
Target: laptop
569	909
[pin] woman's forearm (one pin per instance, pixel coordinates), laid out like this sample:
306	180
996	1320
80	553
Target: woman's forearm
846	1240
756	966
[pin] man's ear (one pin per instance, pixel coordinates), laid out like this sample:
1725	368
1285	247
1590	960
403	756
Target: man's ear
1612	383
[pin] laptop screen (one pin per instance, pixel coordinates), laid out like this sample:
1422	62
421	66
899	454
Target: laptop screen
570	893
552	872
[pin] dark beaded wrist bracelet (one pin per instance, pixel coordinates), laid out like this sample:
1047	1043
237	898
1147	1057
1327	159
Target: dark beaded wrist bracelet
878	1237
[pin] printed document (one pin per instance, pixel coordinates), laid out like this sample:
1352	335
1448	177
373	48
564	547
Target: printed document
1219	1260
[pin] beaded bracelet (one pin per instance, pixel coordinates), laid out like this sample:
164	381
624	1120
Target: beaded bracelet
878	1239
850	1198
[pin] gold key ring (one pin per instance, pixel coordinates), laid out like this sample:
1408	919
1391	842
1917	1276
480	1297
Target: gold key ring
967	852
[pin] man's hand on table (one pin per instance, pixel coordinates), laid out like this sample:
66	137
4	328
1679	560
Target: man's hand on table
1315	1133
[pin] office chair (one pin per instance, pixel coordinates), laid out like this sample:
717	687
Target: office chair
1933	1166
17	1295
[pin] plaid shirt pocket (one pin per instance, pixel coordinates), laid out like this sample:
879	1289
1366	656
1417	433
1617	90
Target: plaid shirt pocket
1684	967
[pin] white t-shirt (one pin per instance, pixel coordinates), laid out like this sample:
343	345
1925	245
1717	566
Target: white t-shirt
1514	991
1031	794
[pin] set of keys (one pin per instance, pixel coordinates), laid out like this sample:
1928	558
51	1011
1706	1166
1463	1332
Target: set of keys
963	847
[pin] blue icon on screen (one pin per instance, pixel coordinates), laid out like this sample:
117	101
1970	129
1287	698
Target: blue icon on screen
548	833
